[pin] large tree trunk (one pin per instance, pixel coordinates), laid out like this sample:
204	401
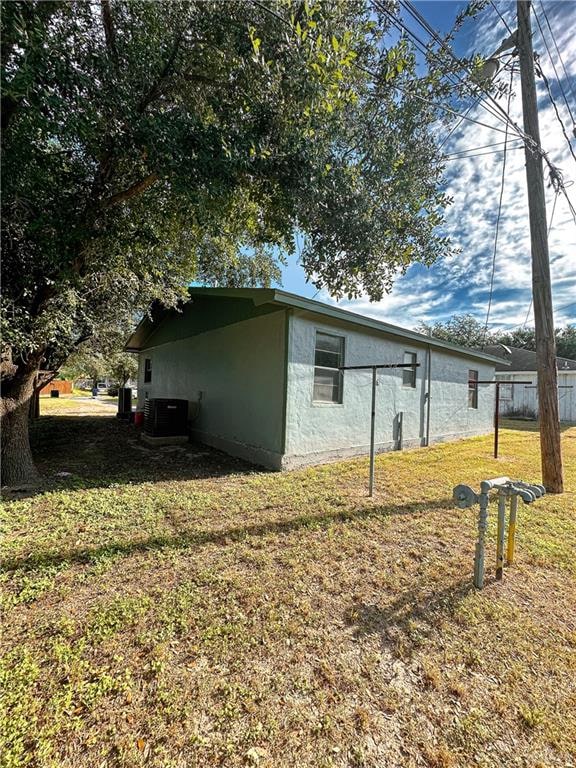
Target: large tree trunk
17	464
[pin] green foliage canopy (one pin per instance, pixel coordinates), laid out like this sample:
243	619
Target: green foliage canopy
466	331
147	145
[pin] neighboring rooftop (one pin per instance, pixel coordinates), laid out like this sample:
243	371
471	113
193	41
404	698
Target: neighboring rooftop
523	359
272	297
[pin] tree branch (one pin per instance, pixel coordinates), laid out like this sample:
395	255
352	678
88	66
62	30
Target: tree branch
31	43
109	32
132	191
154	91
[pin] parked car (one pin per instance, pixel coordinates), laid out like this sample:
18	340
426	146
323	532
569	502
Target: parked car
113	390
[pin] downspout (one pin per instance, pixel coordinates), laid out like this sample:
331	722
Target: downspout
428	393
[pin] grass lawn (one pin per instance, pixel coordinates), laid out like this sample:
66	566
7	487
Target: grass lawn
177	608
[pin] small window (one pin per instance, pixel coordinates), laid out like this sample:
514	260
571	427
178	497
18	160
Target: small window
409	374
506	392
472	389
328	378
147	370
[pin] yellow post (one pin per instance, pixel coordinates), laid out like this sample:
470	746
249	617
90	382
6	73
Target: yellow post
512	530
500	534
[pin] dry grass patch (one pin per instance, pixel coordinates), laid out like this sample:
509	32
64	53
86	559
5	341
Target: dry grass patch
188	610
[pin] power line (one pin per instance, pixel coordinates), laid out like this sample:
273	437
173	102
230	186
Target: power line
424	23
484	146
530	143
501	17
498	216
445	108
568	79
459	123
427	51
565	306
504	115
541	74
548	234
482	154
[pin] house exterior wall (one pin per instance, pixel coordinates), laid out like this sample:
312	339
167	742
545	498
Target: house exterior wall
237	372
317	432
522	399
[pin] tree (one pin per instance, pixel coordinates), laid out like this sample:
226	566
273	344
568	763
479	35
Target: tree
463	330
102	357
566	342
147	145
524	338
466	331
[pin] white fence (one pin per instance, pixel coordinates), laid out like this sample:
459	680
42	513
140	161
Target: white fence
522	399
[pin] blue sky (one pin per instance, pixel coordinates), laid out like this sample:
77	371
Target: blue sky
461	284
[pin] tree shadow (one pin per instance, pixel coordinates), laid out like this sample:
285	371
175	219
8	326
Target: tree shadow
74	452
411	616
531	425
191	539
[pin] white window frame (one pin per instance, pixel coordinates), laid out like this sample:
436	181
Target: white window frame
410	371
342	339
473	388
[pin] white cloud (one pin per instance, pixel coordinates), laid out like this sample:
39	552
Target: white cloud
461	283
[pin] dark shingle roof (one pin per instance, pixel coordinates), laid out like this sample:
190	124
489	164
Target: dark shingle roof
523	359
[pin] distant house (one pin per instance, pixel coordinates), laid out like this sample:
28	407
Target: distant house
265	366
522	399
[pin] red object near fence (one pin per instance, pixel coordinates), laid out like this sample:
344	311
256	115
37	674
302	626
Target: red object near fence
64	387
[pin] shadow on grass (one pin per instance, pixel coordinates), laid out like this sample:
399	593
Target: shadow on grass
522	425
411	616
98	451
75	452
192	539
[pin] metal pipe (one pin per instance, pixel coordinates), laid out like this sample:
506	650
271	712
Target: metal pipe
500	533
496	419
512	530
480	544
428	395
372	423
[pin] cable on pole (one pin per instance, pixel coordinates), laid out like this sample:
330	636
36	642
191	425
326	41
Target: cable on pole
475	151
502	19
459	123
422	21
541	74
568	79
556	195
481	154
427	51
498	218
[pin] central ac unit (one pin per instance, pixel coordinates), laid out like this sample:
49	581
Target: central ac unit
164	417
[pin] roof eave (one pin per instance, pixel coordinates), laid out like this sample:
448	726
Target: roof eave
282	297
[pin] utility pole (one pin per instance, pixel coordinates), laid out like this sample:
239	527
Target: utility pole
550	451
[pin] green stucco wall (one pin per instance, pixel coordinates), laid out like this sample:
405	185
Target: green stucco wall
317	432
236	372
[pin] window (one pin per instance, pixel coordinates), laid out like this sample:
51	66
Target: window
328	379
472	389
409	374
147	370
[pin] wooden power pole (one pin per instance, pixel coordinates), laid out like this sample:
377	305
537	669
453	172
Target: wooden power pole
550	450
